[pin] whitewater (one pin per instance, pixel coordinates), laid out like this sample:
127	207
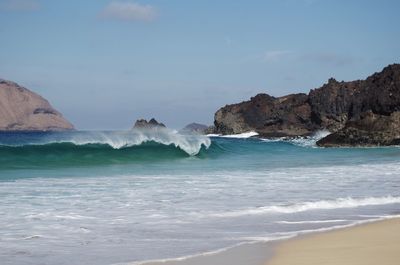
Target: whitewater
133	196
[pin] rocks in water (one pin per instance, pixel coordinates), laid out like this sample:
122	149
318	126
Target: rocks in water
373	112
144	124
23	110
195	128
353	111
370	130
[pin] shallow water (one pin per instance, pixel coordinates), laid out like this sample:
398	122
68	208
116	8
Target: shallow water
115	197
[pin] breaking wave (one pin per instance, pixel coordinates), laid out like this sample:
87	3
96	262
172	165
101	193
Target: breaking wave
191	144
96	148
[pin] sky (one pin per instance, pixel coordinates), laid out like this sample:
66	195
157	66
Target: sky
105	63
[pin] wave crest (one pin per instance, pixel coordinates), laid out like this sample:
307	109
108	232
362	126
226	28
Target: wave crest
191	144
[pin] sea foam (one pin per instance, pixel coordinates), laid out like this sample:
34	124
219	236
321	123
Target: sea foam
339	203
304	141
236	136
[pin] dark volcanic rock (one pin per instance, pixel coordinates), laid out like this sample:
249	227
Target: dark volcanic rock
379	93
23	110
195	128
373	114
144	124
267	115
370	130
330	104
358	110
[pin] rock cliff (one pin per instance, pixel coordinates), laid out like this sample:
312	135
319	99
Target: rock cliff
373	114
357	109
23	110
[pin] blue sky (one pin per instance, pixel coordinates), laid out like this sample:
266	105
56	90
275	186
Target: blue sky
106	63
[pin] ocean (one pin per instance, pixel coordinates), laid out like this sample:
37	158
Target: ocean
134	196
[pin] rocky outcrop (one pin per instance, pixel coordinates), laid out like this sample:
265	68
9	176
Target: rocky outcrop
356	109
331	104
144	124
370	130
194	128
373	117
267	115
23	110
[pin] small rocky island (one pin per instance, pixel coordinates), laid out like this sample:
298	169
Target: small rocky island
151	124
23	110
358	113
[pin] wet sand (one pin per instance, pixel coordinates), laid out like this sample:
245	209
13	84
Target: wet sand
247	254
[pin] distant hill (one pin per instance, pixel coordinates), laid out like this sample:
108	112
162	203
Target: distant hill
24	110
195	128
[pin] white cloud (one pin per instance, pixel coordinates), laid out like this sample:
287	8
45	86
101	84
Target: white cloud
19	5
273	56
129	11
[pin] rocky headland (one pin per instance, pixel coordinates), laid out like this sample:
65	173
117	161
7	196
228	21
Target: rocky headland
23	110
358	113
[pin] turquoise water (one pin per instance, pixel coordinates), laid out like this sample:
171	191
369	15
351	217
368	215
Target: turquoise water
118	197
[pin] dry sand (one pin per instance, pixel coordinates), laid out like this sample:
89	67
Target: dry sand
371	244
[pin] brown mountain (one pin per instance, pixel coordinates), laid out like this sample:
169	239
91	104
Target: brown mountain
23	110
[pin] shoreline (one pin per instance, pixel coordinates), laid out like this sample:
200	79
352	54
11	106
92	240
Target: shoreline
249	253
263	252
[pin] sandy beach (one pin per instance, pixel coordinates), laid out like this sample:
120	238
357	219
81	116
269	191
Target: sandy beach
375	243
